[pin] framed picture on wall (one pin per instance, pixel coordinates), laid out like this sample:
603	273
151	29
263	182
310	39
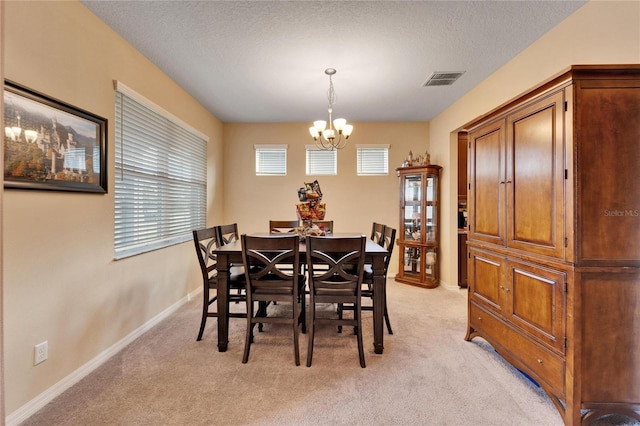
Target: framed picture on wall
51	145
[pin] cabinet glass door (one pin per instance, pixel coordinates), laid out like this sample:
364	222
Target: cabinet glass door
430	268
412	207
412	267
431	216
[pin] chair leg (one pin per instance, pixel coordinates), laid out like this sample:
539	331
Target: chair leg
311	331
386	320
262	312
205	312
340	316
249	336
357	313
296	346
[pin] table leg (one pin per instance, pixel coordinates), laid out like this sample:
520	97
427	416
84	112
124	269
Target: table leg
379	300
223	304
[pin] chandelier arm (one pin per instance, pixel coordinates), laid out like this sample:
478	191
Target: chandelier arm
341	143
320	143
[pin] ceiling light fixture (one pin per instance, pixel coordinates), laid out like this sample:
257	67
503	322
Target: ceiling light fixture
326	138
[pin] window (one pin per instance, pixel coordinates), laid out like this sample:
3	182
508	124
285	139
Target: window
321	162
373	160
160	176
271	160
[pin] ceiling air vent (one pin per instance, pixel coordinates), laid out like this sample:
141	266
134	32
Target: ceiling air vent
443	78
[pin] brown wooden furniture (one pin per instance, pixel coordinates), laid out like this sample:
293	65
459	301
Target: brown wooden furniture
228	233
283	226
336	284
554	220
387	240
418	235
232	253
206	241
268	282
377	232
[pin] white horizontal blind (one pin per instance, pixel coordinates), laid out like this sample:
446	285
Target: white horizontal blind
160	178
373	160
271	160
321	162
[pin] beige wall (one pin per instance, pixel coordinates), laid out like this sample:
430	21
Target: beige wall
61	283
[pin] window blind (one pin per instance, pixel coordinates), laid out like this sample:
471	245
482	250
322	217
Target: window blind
321	162
373	160
160	177
271	160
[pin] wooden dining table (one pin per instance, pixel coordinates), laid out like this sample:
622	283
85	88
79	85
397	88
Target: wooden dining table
231	254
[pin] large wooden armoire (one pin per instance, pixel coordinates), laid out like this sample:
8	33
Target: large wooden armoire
554	238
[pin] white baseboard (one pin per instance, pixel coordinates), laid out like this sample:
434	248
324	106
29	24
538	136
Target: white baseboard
31	407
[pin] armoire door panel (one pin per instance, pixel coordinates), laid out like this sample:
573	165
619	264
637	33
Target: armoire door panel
535	174
537	302
486	279
486	196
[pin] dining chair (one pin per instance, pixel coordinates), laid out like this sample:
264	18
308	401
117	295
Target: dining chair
267	282
283	226
206	240
228	233
338	284
387	241
325	225
377	232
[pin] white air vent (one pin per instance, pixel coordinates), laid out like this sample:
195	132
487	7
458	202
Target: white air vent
443	78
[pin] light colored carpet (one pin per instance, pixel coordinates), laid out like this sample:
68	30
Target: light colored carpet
428	375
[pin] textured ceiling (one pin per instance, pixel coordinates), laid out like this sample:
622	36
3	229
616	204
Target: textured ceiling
264	61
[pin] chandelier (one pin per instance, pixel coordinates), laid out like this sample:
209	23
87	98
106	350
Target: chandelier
326	138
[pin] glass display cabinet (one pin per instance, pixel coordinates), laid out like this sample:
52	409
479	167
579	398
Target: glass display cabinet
418	234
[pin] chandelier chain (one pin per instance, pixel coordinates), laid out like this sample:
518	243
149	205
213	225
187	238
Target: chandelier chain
331	93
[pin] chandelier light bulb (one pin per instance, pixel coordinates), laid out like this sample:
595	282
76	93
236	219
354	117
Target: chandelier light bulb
329	134
339	124
320	125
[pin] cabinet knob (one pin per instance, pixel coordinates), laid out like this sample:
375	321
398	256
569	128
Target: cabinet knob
539	361
479	318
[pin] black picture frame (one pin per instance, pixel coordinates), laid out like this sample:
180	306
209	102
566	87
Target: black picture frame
52	145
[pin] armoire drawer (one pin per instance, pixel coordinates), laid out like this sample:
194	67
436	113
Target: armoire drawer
541	363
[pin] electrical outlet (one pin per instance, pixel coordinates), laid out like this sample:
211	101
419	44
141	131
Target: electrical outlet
41	352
